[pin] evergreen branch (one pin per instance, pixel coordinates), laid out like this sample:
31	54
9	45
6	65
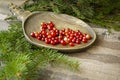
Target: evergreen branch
21	59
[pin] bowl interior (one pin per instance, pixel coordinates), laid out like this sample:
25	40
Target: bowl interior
32	23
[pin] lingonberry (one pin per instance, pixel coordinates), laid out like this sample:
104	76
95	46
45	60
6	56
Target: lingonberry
51	35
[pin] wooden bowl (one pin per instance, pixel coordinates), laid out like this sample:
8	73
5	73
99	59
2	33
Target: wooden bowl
33	21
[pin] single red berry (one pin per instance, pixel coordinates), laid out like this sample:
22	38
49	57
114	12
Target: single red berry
49	27
60	37
47	40
60	32
56	41
43	35
36	34
67	35
66	39
54	29
49	36
43	32
63	42
78	41
52	38
39	38
69	40
80	38
84	35
43	39
76	34
67	30
72	35
84	40
32	34
52	42
71	44
43	25
53	34
51	23
73	32
88	37
73	40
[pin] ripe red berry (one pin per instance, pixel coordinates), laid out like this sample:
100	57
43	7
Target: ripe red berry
43	39
69	40
56	41
52	42
63	42
60	36
47	40
84	40
51	23
43	25
36	34
32	34
71	44
39	38
53	34
78	41
66	39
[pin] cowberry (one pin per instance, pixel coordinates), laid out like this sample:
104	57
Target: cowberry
51	35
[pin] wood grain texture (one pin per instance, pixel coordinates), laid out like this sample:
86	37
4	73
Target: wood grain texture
101	61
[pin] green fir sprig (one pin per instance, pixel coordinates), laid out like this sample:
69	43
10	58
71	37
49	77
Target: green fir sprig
99	12
21	60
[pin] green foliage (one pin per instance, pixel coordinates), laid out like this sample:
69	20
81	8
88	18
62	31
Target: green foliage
96	11
21	60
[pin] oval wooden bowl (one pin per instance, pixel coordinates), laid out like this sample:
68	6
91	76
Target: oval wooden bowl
32	23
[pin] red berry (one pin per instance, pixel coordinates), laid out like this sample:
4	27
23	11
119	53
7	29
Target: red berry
32	34
84	35
47	40
84	40
52	42
56	41
71	44
49	27
80	38
88	37
67	30
76	34
66	39
53	34
43	25
78	41
43	39
39	38
60	36
63	42
36	34
72	35
49	36
43	32
73	40
69	40
52	38
51	23
60	32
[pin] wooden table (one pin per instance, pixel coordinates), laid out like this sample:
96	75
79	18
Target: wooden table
101	61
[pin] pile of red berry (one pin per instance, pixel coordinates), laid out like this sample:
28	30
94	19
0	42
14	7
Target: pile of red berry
51	35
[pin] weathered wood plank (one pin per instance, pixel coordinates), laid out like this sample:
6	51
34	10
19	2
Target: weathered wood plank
101	61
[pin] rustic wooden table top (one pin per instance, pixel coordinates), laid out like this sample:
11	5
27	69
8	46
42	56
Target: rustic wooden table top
101	61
